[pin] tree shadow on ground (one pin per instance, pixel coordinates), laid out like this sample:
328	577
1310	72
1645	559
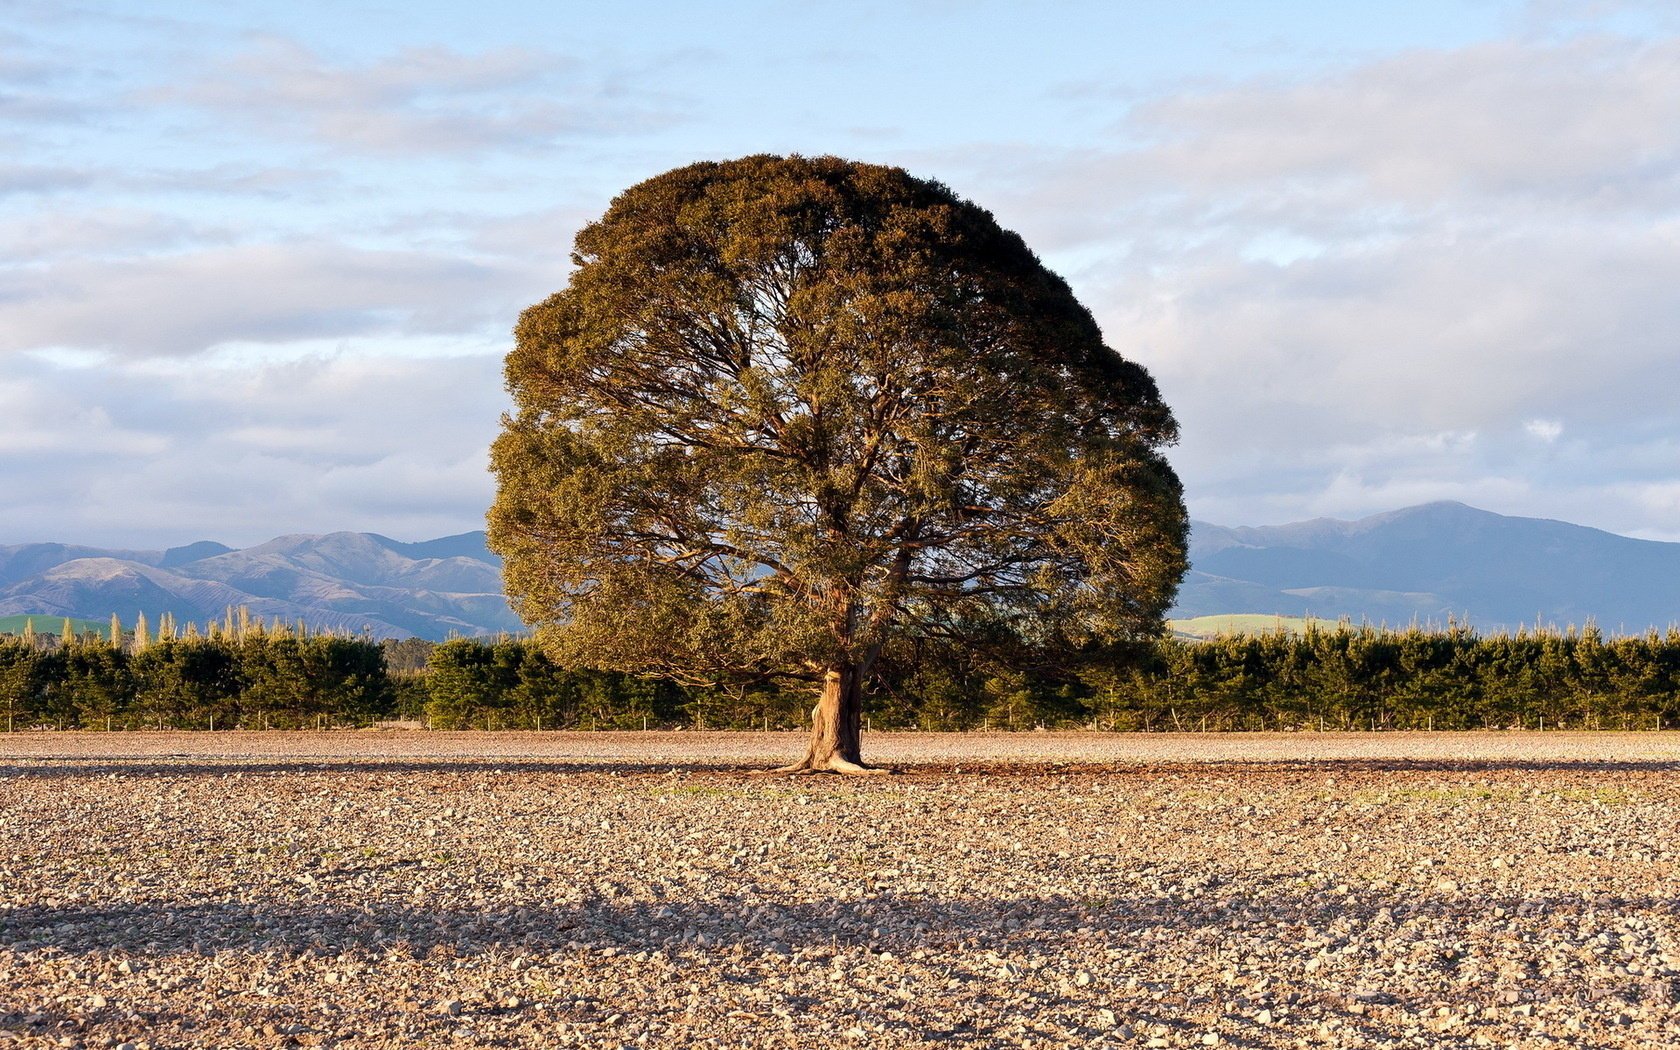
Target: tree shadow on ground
896	922
742	935
49	767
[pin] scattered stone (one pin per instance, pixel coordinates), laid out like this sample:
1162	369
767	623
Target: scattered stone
584	890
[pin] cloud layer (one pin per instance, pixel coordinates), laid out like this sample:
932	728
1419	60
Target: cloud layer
419	100
1361	290
138	454
262	288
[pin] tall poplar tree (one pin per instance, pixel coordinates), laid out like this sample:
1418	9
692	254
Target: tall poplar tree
788	410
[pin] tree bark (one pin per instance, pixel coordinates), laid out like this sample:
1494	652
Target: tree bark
836	725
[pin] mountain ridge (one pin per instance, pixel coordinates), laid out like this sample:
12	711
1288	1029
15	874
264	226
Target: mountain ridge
344	581
1434	561
1425	564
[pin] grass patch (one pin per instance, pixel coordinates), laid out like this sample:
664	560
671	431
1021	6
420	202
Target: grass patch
705	791
1602	796
48	624
1246	623
1504	793
1433	795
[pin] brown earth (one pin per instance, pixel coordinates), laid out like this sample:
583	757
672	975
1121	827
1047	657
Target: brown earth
427	889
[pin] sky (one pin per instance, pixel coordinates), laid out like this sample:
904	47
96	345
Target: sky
259	262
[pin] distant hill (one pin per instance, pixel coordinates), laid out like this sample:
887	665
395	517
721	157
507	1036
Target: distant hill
1431	562
1421	564
352	581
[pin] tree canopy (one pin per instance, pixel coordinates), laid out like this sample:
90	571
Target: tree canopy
790	410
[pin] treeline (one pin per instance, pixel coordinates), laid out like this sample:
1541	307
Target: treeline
254	677
1365	678
1343	678
1348	678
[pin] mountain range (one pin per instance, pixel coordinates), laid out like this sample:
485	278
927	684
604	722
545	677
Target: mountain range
1432	562
347	581
1422	564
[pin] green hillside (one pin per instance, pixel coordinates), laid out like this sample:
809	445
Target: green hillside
1244	623
47	624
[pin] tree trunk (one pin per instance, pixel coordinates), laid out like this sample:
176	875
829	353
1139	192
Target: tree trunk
836	723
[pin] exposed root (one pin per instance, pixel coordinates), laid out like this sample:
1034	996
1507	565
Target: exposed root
806	767
840	765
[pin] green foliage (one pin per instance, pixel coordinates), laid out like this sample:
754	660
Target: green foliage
263	679
1362	678
516	685
25	682
1344	678
790	412
313	680
187	683
462	682
97	681
406	655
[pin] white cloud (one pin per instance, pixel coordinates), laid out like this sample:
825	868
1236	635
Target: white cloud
423	100
1588	123
186	302
146	453
1431	274
41	235
1418	336
1332	276
18	179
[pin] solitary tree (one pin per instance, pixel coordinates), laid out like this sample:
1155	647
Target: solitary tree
789	410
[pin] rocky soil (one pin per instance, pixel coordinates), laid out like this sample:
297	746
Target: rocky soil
385	890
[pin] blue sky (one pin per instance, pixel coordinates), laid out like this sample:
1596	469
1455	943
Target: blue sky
258	263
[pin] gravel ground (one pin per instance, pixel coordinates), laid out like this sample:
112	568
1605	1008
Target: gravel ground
632	890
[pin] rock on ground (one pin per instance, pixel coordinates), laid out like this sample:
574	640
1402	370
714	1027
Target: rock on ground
386	890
